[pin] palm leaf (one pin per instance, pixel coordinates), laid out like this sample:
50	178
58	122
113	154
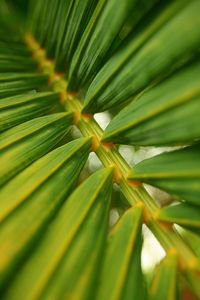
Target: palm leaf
121	276
164	285
31	199
147	57
18	109
177	172
96	40
164	115
61	62
27	142
183	214
79	220
77	19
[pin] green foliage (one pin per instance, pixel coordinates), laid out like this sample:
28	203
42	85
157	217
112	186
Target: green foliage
97	39
166	115
60	62
121	276
38	190
165	282
183	214
27	142
18	109
16	83
148	57
177	172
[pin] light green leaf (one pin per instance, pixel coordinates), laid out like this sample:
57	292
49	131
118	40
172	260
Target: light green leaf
30	200
98	37
183	214
191	238
164	285
165	44
121	276
65	262
25	143
18	109
177	172
168	114
194	278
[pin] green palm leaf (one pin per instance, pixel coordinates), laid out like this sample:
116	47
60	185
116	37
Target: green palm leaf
60	62
147	58
16	63
16	83
97	39
183	214
177	172
18	109
121	276
164	285
31	199
69	239
168	114
77	19
27	142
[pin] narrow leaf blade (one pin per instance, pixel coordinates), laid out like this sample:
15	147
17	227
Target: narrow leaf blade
29	201
121	276
164	285
93	48
18	109
59	262
177	172
25	143
183	214
158	50
168	114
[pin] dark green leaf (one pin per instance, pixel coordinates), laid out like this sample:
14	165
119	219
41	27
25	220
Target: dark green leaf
14	83
47	20
54	29
27	77
21	145
14	48
168	114
75	23
163	46
15	63
21	108
97	38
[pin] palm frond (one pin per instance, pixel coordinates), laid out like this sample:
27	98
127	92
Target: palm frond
60	63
